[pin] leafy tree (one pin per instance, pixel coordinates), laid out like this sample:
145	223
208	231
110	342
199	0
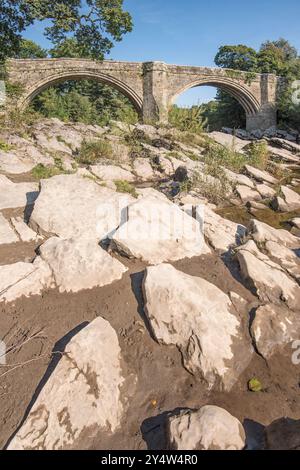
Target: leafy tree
30	50
239	57
225	111
187	119
15	16
85	101
288	51
94	24
68	48
278	57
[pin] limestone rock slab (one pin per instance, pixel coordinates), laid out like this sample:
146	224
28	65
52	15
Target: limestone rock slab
80	263
200	320
157	230
82	394
210	428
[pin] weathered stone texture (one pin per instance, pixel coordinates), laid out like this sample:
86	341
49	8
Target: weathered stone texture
152	87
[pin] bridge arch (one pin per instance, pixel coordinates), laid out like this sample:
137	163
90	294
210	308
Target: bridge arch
56	78
240	92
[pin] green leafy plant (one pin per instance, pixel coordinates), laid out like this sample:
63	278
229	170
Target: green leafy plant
187	119
254	385
258	155
123	186
90	26
92	151
41	171
5	147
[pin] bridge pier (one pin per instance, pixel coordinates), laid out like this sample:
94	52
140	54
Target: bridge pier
155	96
263	120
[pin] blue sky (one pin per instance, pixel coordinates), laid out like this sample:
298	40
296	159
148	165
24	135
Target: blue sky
189	32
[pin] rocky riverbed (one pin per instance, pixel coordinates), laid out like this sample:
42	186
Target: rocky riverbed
129	263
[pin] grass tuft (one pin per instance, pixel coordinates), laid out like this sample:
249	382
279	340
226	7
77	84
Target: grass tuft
125	187
92	151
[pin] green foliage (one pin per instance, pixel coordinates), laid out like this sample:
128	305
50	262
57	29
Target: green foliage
94	24
213	187
255	385
85	101
258	155
15	16
13	90
225	111
19	121
123	186
4	146
187	119
217	156
92	151
41	171
277	57
30	50
238	57
134	140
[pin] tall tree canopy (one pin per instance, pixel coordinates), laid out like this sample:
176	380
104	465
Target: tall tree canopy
236	57
277	57
94	24
30	50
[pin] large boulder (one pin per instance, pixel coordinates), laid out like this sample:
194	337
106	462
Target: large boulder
80	263
70	205
274	328
26	279
287	201
157	231
221	233
266	278
286	257
265	191
282	143
51	142
81	396
200	320
262	233
283	155
28	152
14	195
247	194
210	428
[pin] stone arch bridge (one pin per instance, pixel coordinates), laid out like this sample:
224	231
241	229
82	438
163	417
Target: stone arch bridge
152	87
